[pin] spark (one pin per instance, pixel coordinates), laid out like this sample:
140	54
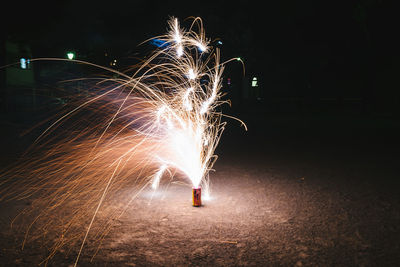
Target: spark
186	100
206	105
177	35
191	74
202	47
125	137
179	51
157	176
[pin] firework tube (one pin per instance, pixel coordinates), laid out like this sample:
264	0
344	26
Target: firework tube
196	196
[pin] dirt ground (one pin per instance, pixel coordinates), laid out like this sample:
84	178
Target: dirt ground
293	191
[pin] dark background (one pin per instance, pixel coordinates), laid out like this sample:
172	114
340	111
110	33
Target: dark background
305	54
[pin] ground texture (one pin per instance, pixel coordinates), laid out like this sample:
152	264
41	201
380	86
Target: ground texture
292	191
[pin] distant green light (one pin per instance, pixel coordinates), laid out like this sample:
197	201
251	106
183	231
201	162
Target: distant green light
71	55
238	59
254	82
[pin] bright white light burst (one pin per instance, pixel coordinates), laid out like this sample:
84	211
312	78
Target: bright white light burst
186	121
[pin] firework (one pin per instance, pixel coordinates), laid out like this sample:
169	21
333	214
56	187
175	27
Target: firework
196	196
126	135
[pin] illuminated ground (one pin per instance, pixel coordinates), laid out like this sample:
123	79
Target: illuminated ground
300	195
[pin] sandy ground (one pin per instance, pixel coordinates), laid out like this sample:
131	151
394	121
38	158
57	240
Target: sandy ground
294	192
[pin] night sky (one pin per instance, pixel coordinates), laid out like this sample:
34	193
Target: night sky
296	48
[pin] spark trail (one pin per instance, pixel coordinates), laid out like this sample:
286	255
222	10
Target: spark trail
124	136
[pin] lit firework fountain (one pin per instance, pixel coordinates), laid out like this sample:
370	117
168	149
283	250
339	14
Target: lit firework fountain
128	135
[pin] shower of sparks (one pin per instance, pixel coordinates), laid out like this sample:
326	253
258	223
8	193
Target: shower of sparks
125	136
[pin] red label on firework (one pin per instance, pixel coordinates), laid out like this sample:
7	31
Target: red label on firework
196	196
